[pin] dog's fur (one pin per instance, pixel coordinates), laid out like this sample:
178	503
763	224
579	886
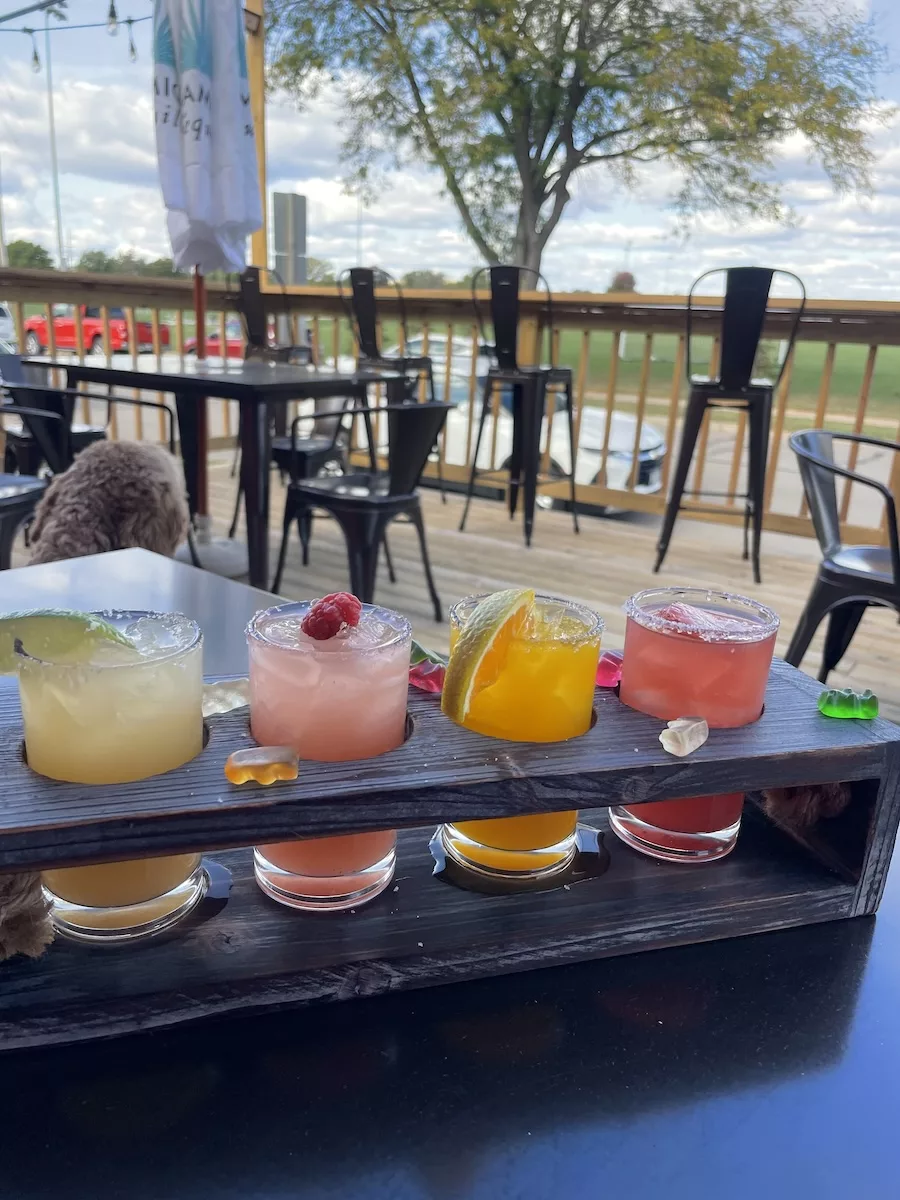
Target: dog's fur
116	495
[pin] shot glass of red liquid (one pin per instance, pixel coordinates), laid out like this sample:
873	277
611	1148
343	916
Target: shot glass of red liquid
690	652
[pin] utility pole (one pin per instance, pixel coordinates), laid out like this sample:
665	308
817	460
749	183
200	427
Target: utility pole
54	166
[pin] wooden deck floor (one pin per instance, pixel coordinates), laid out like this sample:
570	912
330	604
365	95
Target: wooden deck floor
606	563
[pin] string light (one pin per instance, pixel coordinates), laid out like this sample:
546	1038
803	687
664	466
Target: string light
35	57
36	65
132	48
112	19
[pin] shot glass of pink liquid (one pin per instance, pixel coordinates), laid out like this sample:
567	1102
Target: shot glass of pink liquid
334	700
693	653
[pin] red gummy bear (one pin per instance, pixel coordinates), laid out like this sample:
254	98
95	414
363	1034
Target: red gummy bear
328	616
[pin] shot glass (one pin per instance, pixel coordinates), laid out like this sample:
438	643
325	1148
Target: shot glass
121	716
698	653
335	700
544	693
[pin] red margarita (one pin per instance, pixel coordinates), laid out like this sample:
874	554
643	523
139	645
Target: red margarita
690	652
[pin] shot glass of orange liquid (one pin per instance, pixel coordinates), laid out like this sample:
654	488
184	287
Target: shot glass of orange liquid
690	652
541	689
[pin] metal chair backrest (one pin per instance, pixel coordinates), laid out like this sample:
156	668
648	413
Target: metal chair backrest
253	310
505	284
49	430
412	433
744	312
819	471
361	305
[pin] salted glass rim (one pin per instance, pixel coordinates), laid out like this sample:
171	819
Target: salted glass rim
126	615
254	632
766	621
594	624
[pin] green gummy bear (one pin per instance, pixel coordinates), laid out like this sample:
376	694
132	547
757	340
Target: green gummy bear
844	702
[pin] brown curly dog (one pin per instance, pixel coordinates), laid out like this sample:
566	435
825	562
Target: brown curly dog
116	495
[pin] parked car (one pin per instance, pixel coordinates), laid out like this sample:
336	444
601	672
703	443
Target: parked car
589	457
234	341
7	328
37	334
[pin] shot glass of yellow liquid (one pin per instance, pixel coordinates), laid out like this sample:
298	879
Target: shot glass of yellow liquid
118	714
538	687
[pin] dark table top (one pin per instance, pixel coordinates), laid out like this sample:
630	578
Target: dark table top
233	380
139	579
761	1067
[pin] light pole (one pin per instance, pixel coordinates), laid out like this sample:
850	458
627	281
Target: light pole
54	166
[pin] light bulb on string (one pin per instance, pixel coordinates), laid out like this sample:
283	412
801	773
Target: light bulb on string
112	19
35	57
132	48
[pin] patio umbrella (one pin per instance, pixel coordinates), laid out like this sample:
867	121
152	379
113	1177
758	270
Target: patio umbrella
206	148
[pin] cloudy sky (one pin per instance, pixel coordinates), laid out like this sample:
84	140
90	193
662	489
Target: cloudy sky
843	247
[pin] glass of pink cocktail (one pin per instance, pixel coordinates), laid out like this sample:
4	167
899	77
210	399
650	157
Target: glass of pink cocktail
333	700
690	652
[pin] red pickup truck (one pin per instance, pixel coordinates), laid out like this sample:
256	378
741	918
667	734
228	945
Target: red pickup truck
37	340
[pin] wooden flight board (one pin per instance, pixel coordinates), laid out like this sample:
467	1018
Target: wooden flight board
250	953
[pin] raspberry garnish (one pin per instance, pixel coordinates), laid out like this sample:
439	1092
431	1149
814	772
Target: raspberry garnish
328	616
350	607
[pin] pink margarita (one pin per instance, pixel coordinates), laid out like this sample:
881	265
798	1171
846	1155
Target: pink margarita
333	700
690	652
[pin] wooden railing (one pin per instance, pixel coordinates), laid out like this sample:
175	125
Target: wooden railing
627	354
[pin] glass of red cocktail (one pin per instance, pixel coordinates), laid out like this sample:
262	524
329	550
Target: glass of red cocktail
690	652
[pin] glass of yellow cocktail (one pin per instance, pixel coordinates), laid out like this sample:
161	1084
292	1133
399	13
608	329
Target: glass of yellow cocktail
523	668
114	712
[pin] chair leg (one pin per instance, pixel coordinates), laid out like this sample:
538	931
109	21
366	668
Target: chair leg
364	535
437	444
304	528
9	526
387	558
485	407
843	622
570	412
232	528
693	420
760	418
415	516
821	600
290	512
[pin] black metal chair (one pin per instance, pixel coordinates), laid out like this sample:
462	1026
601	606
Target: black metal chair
365	503
850	578
361	308
19	494
530	386
744	311
29	384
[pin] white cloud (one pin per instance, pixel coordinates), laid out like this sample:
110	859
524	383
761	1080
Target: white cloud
840	245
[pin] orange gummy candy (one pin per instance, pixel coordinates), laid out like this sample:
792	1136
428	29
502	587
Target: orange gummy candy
262	764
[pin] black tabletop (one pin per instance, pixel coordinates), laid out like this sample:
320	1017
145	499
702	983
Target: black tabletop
139	579
232	380
760	1067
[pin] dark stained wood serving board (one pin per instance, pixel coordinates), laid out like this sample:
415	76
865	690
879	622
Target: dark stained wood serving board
252	954
257	955
442	772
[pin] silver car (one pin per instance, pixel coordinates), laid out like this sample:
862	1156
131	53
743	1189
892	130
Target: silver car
589	457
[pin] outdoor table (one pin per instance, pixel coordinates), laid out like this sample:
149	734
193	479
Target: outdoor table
759	1066
256	386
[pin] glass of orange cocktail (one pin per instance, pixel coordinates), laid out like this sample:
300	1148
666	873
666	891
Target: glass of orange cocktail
690	652
115	712
332	700
534	683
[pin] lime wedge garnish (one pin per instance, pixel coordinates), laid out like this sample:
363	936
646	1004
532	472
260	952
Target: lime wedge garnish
481	649
57	635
